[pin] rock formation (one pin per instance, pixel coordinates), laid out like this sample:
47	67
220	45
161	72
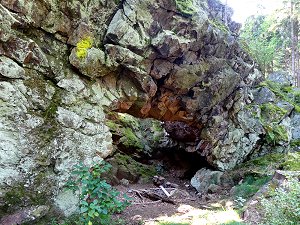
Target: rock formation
65	64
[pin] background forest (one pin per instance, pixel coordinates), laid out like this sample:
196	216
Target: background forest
273	40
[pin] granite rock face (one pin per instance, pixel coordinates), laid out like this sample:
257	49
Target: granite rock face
65	64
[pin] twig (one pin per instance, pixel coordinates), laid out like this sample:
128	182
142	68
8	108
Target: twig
165	191
139	195
165	188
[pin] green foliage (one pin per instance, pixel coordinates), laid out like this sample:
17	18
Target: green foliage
262	41
250	186
186	7
284	206
97	199
82	47
295	143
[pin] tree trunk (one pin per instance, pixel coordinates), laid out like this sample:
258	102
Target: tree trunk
294	40
296	32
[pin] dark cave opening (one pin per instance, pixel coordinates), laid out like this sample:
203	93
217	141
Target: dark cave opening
177	162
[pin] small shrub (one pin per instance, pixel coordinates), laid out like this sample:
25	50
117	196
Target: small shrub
284	206
97	199
82	47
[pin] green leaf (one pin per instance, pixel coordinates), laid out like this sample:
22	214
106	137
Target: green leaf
83	209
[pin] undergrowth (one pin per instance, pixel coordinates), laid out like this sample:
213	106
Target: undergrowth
284	206
97	199
251	184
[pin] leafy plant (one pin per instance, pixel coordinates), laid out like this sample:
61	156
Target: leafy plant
97	199
284	206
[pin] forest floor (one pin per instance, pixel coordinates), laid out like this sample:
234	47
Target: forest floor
186	207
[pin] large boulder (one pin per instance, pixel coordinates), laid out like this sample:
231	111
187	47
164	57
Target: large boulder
65	64
206	180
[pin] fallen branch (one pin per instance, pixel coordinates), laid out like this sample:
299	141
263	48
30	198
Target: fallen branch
165	191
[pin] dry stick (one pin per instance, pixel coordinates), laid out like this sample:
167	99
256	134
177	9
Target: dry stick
151	195
139	195
165	191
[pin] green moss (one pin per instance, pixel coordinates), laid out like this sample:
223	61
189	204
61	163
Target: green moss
51	110
297	97
266	165
15	196
112	126
251	184
295	143
134	167
49	130
219	25
271	115
128	121
284	92
19	196
276	133
186	7
272	112
292	162
130	139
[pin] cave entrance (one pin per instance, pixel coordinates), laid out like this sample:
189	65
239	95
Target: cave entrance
178	163
148	146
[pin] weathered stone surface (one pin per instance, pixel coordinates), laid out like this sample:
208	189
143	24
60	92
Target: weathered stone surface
295	124
282	78
26	215
10	69
264	95
205	180
146	58
139	136
182	132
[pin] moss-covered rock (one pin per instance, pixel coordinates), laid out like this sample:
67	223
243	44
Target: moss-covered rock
283	92
186	7
269	163
137	136
125	167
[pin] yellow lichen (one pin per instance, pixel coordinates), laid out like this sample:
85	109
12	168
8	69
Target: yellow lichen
83	46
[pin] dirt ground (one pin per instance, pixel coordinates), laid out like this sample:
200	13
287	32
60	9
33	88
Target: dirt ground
186	208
